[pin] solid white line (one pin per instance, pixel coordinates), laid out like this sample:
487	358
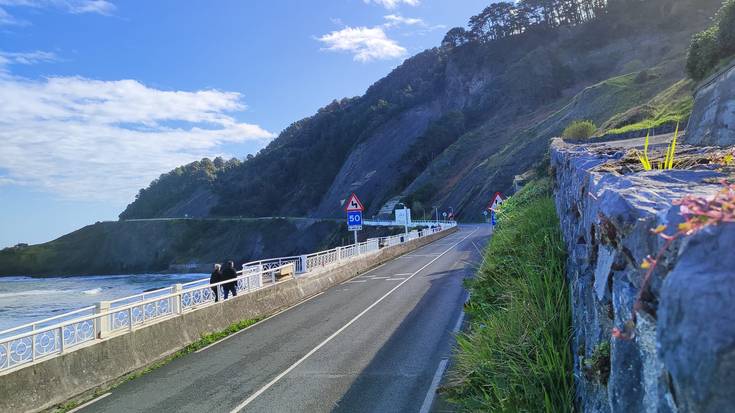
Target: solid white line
336	333
78	408
259	322
429	399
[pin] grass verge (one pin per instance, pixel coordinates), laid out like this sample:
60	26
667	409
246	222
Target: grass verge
197	345
516	355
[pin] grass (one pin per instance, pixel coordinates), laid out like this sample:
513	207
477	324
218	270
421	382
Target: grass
197	345
668	108
516	354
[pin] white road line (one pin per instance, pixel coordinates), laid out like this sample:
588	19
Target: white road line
379	278
356	281
401	275
395	279
431	393
338	332
365	273
459	323
78	408
259	322
429	399
477	248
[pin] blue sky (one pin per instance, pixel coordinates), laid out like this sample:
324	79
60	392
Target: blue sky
97	98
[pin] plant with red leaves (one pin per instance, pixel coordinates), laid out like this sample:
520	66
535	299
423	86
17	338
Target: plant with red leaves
698	213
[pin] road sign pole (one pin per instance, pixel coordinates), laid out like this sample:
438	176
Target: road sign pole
355	237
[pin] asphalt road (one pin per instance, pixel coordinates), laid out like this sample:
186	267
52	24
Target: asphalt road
372	344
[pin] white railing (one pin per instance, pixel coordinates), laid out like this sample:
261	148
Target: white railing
23	345
413	224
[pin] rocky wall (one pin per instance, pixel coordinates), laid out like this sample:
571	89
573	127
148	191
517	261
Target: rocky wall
681	353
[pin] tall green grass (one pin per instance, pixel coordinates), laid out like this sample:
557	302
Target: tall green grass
516	355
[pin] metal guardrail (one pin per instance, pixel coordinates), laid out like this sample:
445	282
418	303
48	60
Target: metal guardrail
26	344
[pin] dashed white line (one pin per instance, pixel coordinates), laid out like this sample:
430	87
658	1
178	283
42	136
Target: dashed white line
431	393
338	332
429	399
459	323
395	279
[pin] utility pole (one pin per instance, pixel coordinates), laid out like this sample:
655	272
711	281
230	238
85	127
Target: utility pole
437	214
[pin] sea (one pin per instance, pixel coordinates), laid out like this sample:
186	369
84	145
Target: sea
27	299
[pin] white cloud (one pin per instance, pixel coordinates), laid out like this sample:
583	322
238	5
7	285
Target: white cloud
394	20
7	20
392	4
364	43
25	58
103	7
91	139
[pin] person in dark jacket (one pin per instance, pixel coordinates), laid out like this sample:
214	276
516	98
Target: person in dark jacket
229	273
214	279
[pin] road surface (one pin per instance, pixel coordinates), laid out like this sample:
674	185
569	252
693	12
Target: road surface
376	343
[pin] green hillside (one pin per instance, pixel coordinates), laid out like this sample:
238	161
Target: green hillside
456	118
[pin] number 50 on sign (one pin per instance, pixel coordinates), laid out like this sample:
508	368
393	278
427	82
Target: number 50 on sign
354	221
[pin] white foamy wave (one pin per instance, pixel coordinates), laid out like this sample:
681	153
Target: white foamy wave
31	292
93	291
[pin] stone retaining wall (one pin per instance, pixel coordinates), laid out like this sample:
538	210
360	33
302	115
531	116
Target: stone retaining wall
56	380
682	355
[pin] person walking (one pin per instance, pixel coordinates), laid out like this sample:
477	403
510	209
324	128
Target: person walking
214	279
229	273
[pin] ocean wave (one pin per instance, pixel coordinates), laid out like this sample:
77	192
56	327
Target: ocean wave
31	292
93	291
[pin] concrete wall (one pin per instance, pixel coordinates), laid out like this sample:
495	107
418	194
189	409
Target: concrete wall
59	379
681	357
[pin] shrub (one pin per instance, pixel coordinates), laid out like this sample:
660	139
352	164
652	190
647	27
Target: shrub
704	53
581	129
726	24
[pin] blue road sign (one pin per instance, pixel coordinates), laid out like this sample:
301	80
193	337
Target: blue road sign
354	220
492	218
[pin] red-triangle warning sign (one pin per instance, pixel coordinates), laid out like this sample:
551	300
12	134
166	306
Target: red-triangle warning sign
354	204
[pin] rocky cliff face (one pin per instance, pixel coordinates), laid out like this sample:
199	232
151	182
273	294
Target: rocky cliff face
713	117
681	353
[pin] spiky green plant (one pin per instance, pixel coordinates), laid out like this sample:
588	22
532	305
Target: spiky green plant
644	159
671	152
668	162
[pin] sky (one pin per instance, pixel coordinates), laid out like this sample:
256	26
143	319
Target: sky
100	97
